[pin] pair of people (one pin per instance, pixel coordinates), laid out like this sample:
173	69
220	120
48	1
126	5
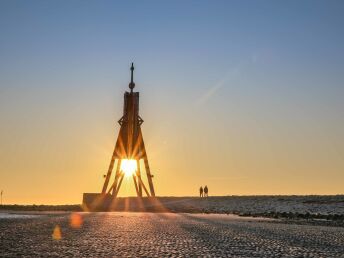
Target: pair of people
203	192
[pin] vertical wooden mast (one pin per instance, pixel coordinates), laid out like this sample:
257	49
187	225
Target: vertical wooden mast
129	145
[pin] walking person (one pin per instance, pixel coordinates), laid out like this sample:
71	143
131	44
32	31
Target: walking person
201	191
206	191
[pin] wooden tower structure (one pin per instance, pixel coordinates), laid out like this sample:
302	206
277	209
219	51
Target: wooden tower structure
129	146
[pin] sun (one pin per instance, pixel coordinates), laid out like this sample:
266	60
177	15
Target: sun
128	166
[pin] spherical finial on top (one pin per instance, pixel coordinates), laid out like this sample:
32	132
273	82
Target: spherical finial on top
132	84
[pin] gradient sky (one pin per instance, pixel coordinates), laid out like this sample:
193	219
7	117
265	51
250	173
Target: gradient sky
244	96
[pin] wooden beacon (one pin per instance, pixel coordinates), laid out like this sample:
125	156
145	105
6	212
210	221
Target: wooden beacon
129	146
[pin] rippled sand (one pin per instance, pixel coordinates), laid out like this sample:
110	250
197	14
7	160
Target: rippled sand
164	234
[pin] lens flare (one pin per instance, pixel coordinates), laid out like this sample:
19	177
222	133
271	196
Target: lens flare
57	233
75	220
128	166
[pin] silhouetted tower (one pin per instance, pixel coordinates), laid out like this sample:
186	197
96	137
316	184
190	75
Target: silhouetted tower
129	146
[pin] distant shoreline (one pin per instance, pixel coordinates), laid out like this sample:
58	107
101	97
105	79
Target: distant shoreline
41	207
306	199
319	208
196	197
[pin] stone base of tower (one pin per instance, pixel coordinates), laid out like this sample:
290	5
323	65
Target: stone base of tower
107	202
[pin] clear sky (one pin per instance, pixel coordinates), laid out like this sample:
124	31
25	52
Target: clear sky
244	96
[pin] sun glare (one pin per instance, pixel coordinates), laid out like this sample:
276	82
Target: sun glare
128	166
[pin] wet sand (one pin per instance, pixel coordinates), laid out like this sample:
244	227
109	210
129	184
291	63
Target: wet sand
119	234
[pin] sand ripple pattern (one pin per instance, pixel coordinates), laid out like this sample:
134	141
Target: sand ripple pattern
166	235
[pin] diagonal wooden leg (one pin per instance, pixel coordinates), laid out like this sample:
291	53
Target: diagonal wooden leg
135	183
108	175
114	185
144	187
149	175
139	179
145	159
118	187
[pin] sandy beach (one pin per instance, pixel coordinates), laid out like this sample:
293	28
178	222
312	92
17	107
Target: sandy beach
124	234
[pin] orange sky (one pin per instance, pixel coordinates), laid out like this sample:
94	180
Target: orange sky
54	159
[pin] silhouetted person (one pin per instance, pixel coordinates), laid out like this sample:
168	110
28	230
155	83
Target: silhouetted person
201	192
206	191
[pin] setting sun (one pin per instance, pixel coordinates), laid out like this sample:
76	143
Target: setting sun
128	166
